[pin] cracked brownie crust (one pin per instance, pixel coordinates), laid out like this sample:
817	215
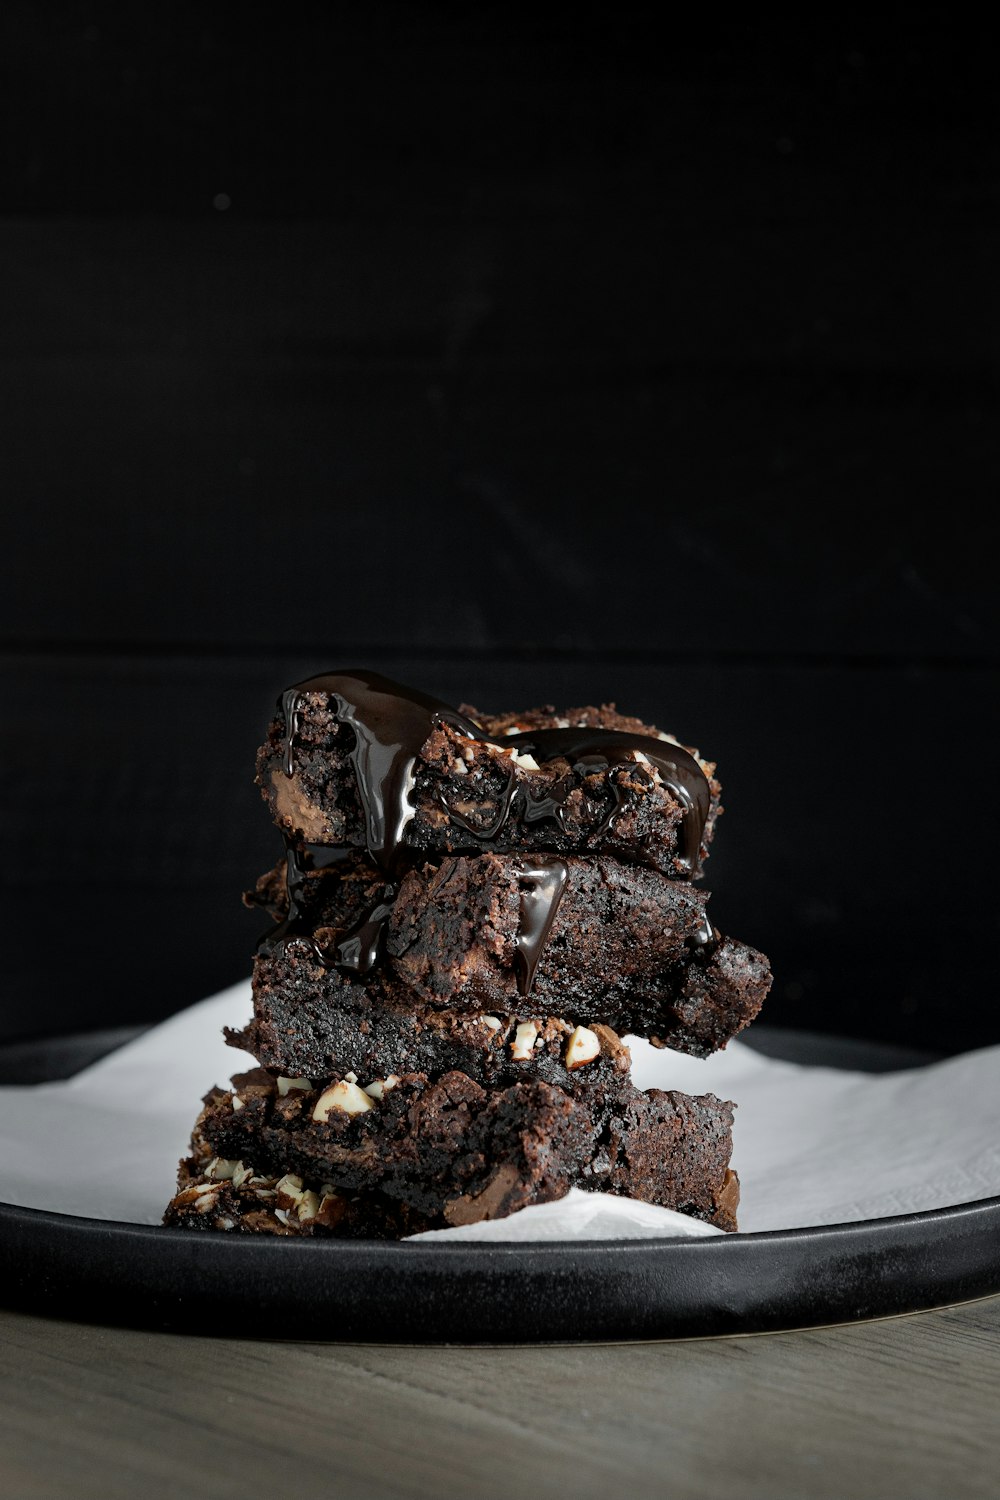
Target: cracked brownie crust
530	781
459	1153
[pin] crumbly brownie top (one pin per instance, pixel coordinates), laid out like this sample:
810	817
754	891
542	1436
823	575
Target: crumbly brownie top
496	927
354	759
457	1152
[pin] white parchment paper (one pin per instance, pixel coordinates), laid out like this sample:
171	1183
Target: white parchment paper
812	1145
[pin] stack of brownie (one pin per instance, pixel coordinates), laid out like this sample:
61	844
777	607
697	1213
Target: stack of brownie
471	910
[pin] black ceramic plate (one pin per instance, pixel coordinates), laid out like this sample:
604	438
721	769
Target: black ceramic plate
469	1293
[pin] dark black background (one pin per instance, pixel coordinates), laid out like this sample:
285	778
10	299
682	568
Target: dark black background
528	354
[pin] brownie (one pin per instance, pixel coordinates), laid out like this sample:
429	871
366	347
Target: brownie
316	1023
352	759
620	945
470	910
458	1153
481	932
482	929
213	1193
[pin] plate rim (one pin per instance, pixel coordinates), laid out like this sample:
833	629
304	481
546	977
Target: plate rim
468	1292
802	1232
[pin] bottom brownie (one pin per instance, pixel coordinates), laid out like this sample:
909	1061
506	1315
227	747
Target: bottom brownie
451	1152
213	1193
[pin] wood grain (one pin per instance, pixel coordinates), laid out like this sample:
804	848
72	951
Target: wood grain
903	1407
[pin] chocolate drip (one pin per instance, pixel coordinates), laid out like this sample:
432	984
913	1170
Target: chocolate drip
295	882
542	884
390	725
704	941
594	750
295	879
359	950
290	703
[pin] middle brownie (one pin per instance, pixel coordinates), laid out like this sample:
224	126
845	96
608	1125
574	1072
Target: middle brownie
474	949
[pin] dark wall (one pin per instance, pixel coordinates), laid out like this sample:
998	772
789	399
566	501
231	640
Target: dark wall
528	357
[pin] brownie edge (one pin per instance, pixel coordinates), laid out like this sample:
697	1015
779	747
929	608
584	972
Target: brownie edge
464	788
454	1152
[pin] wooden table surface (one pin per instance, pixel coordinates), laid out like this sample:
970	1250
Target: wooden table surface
904	1407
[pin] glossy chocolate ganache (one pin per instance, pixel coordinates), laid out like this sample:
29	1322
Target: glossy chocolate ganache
389	725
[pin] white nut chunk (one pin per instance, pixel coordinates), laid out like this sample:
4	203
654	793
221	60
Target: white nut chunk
381	1086
493	1022
344	1096
292	1196
221	1170
289	1186
583	1046
286	1085
308	1206
524	1040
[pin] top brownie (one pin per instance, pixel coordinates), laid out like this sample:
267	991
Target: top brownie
352	759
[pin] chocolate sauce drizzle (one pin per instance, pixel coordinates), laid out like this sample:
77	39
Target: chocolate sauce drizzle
390	725
704	940
359	949
589	751
542	884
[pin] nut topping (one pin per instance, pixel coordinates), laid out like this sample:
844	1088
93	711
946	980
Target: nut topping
286	1085
381	1086
308	1206
524	1040
343	1096
583	1046
220	1170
